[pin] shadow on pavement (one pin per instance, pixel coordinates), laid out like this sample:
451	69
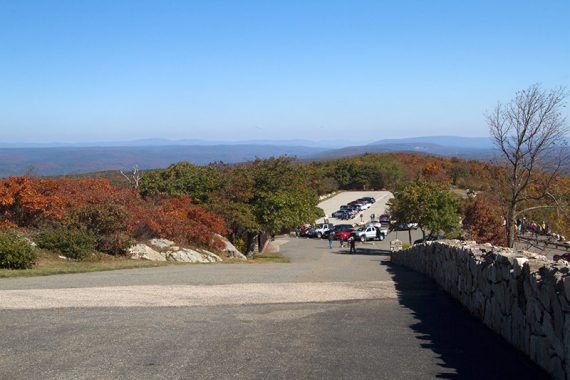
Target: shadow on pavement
362	250
463	343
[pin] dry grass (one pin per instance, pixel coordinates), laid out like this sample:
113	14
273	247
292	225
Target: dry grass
50	263
269	258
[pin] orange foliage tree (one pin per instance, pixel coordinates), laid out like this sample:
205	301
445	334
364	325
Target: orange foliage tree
105	210
483	221
25	202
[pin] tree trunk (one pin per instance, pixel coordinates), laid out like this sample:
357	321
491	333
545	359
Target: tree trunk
510	226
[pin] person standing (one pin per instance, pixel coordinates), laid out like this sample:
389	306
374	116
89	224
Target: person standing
341	240
352	242
331	238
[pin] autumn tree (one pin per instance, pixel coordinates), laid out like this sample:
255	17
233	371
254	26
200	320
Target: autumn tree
283	197
457	172
483	221
530	134
183	178
25	201
429	204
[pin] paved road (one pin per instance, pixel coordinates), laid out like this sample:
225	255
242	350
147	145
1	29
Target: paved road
326	314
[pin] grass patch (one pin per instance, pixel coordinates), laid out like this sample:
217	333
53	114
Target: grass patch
50	263
270	258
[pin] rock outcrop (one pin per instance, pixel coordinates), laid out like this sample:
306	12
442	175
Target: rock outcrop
523	296
166	250
230	249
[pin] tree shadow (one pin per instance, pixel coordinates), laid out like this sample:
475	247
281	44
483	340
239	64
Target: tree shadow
463	343
363	252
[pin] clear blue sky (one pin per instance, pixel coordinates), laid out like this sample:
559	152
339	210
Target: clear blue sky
231	70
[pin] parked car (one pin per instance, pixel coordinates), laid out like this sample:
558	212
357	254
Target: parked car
564	256
385	218
343	231
369	199
338	214
429	238
349	208
366	233
304	231
407	226
384	228
322	230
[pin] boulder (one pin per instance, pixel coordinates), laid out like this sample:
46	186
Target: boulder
211	255
187	255
143	251
161	243
174	253
231	249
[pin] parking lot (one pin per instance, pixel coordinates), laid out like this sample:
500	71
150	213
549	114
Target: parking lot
332	204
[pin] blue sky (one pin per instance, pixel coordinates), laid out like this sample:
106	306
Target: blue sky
233	70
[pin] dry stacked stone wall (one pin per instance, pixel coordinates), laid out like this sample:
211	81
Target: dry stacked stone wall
522	296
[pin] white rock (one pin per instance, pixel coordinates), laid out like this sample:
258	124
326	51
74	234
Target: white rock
214	258
231	249
518	265
185	255
162	243
143	251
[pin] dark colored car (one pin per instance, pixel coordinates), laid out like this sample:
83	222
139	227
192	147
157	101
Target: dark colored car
385	218
429	238
338	214
369	199
564	256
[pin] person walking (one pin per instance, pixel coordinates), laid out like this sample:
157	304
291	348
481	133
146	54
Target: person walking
341	240
352	242
331	238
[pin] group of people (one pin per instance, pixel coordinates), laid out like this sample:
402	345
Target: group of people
351	242
524	226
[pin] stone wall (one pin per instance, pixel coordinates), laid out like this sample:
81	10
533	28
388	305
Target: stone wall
522	296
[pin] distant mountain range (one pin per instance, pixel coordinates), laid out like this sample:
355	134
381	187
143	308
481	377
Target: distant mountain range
186	142
78	160
59	159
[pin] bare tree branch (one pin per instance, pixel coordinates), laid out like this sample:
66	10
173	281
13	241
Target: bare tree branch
134	177
529	131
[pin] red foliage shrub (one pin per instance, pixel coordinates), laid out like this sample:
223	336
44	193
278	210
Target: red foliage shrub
176	219
484	222
24	202
97	206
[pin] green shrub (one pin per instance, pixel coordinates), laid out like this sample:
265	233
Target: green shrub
73	243
15	252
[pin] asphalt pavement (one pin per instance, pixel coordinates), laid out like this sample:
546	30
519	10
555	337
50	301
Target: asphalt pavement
378	208
404	327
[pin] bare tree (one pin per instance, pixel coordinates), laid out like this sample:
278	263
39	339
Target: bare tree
530	133
134	177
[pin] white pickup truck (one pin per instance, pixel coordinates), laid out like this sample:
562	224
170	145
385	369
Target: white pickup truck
323	229
370	233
